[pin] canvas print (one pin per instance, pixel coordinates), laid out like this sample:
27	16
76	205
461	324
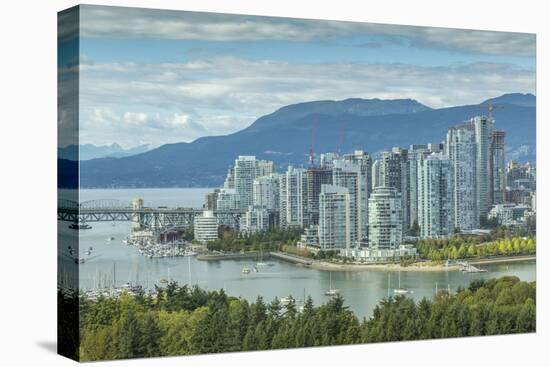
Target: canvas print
233	183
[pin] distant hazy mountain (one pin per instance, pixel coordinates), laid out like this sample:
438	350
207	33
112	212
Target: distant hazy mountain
284	136
90	151
518	99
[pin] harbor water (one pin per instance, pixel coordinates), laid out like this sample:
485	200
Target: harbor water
112	261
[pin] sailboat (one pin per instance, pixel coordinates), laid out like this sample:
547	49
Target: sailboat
331	291
400	290
260	263
389	285
303	305
189	268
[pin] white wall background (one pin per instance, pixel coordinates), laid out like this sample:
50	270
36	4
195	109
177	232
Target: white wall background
28	181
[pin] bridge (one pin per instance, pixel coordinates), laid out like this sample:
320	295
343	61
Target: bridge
109	210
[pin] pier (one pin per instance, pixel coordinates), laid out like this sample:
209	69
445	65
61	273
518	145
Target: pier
295	259
465	266
254	255
232	256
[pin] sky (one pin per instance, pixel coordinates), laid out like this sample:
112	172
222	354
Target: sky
156	76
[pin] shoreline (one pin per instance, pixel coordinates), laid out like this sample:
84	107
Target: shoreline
330	266
508	259
416	267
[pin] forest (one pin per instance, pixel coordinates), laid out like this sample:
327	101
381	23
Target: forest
180	320
437	249
231	240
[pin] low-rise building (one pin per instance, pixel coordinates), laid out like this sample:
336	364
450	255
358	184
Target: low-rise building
508	214
310	238
206	227
370	255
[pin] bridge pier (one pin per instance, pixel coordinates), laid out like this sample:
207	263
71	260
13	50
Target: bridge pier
137	206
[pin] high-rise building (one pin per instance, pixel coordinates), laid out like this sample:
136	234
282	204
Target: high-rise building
520	176
416	153
211	200
334	218
246	170
353	172
461	148
483	133
229	182
293	198
498	169
316	177
266	191
206	227
255	219
347	174
435	199
228	199
385	218
245	173
394	173
365	161
376	181
327	159
264	168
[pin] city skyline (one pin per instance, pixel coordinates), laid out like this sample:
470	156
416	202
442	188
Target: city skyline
364	208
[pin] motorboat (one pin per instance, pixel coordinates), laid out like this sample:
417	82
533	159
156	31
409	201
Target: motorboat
285	301
80	225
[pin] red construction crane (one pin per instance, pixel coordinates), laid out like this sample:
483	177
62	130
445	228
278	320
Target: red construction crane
311	148
342	137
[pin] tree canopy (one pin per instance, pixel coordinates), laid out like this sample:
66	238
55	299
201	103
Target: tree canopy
181	320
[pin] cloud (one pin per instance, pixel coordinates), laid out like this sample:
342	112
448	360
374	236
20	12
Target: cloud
250	86
462	40
135	118
116	22
130	128
156	103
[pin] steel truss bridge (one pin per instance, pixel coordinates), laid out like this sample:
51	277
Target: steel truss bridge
144	217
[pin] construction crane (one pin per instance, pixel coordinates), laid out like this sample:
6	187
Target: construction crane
490	107
311	151
342	137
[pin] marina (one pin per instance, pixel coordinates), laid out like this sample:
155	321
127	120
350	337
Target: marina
149	246
361	290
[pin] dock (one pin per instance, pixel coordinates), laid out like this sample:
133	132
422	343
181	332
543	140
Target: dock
231	256
469	268
295	259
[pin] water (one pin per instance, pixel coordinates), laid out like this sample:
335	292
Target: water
361	290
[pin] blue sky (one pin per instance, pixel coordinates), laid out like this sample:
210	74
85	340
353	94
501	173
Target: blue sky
156	77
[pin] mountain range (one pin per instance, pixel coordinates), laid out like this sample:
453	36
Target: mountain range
286	136
91	151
